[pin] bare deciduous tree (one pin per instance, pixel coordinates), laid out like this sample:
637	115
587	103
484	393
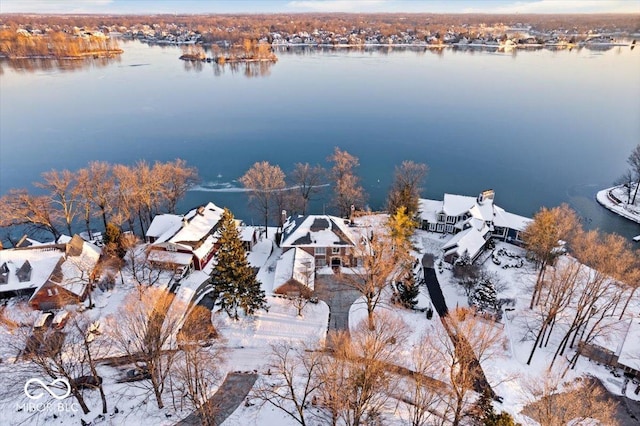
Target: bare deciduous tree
460	348
634	162
406	187
293	379
145	330
346	185
35	212
553	402
196	372
176	179
542	239
263	180
61	188
307	180
357	377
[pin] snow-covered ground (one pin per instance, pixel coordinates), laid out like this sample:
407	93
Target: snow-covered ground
617	200
248	342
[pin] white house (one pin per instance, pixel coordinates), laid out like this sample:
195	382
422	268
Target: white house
473	220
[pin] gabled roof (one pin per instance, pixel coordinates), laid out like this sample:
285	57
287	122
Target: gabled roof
457	205
199	223
471	241
164	224
316	231
295	264
510	220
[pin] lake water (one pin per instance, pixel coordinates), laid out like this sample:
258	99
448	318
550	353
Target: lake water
538	127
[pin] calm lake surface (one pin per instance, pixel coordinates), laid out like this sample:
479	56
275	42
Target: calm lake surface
539	127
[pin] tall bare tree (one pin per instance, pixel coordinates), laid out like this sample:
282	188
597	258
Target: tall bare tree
61	188
145	330
542	239
346	185
406	187
306	180
357	378
552	402
35	212
263	181
460	348
196	372
634	162
176	178
293	379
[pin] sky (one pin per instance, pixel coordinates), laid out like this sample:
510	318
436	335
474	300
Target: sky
300	6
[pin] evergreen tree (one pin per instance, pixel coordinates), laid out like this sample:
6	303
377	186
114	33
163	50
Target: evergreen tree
233	279
485	296
408	293
483	414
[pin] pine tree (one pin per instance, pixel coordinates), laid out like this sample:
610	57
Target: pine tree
233	279
485	296
408	292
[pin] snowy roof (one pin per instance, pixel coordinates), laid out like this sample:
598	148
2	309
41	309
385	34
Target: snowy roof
164	224
77	270
630	351
199	223
206	246
429	209
43	261
470	240
316	231
247	232
457	205
173	257
296	264
510	220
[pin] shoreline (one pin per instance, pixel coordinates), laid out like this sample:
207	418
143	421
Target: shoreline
607	200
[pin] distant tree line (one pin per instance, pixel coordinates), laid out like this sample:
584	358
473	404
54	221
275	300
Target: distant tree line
128	196
236	27
57	44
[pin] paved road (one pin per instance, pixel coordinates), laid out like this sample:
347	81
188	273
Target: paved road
232	392
339	297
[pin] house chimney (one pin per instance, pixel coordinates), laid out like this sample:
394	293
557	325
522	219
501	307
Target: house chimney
351	215
201	210
284	217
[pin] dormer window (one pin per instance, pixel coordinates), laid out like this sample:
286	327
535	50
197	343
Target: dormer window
441	217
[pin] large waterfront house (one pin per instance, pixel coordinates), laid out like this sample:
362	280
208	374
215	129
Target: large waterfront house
52	275
311	242
473	221
184	242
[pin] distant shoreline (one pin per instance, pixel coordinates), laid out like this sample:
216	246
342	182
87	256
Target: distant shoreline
608	200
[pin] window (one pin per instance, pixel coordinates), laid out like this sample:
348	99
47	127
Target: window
335	250
451	219
171	247
450	229
440	217
320	251
320	262
432	227
440	227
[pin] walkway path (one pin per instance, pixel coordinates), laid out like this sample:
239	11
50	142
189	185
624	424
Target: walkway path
437	298
232	392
